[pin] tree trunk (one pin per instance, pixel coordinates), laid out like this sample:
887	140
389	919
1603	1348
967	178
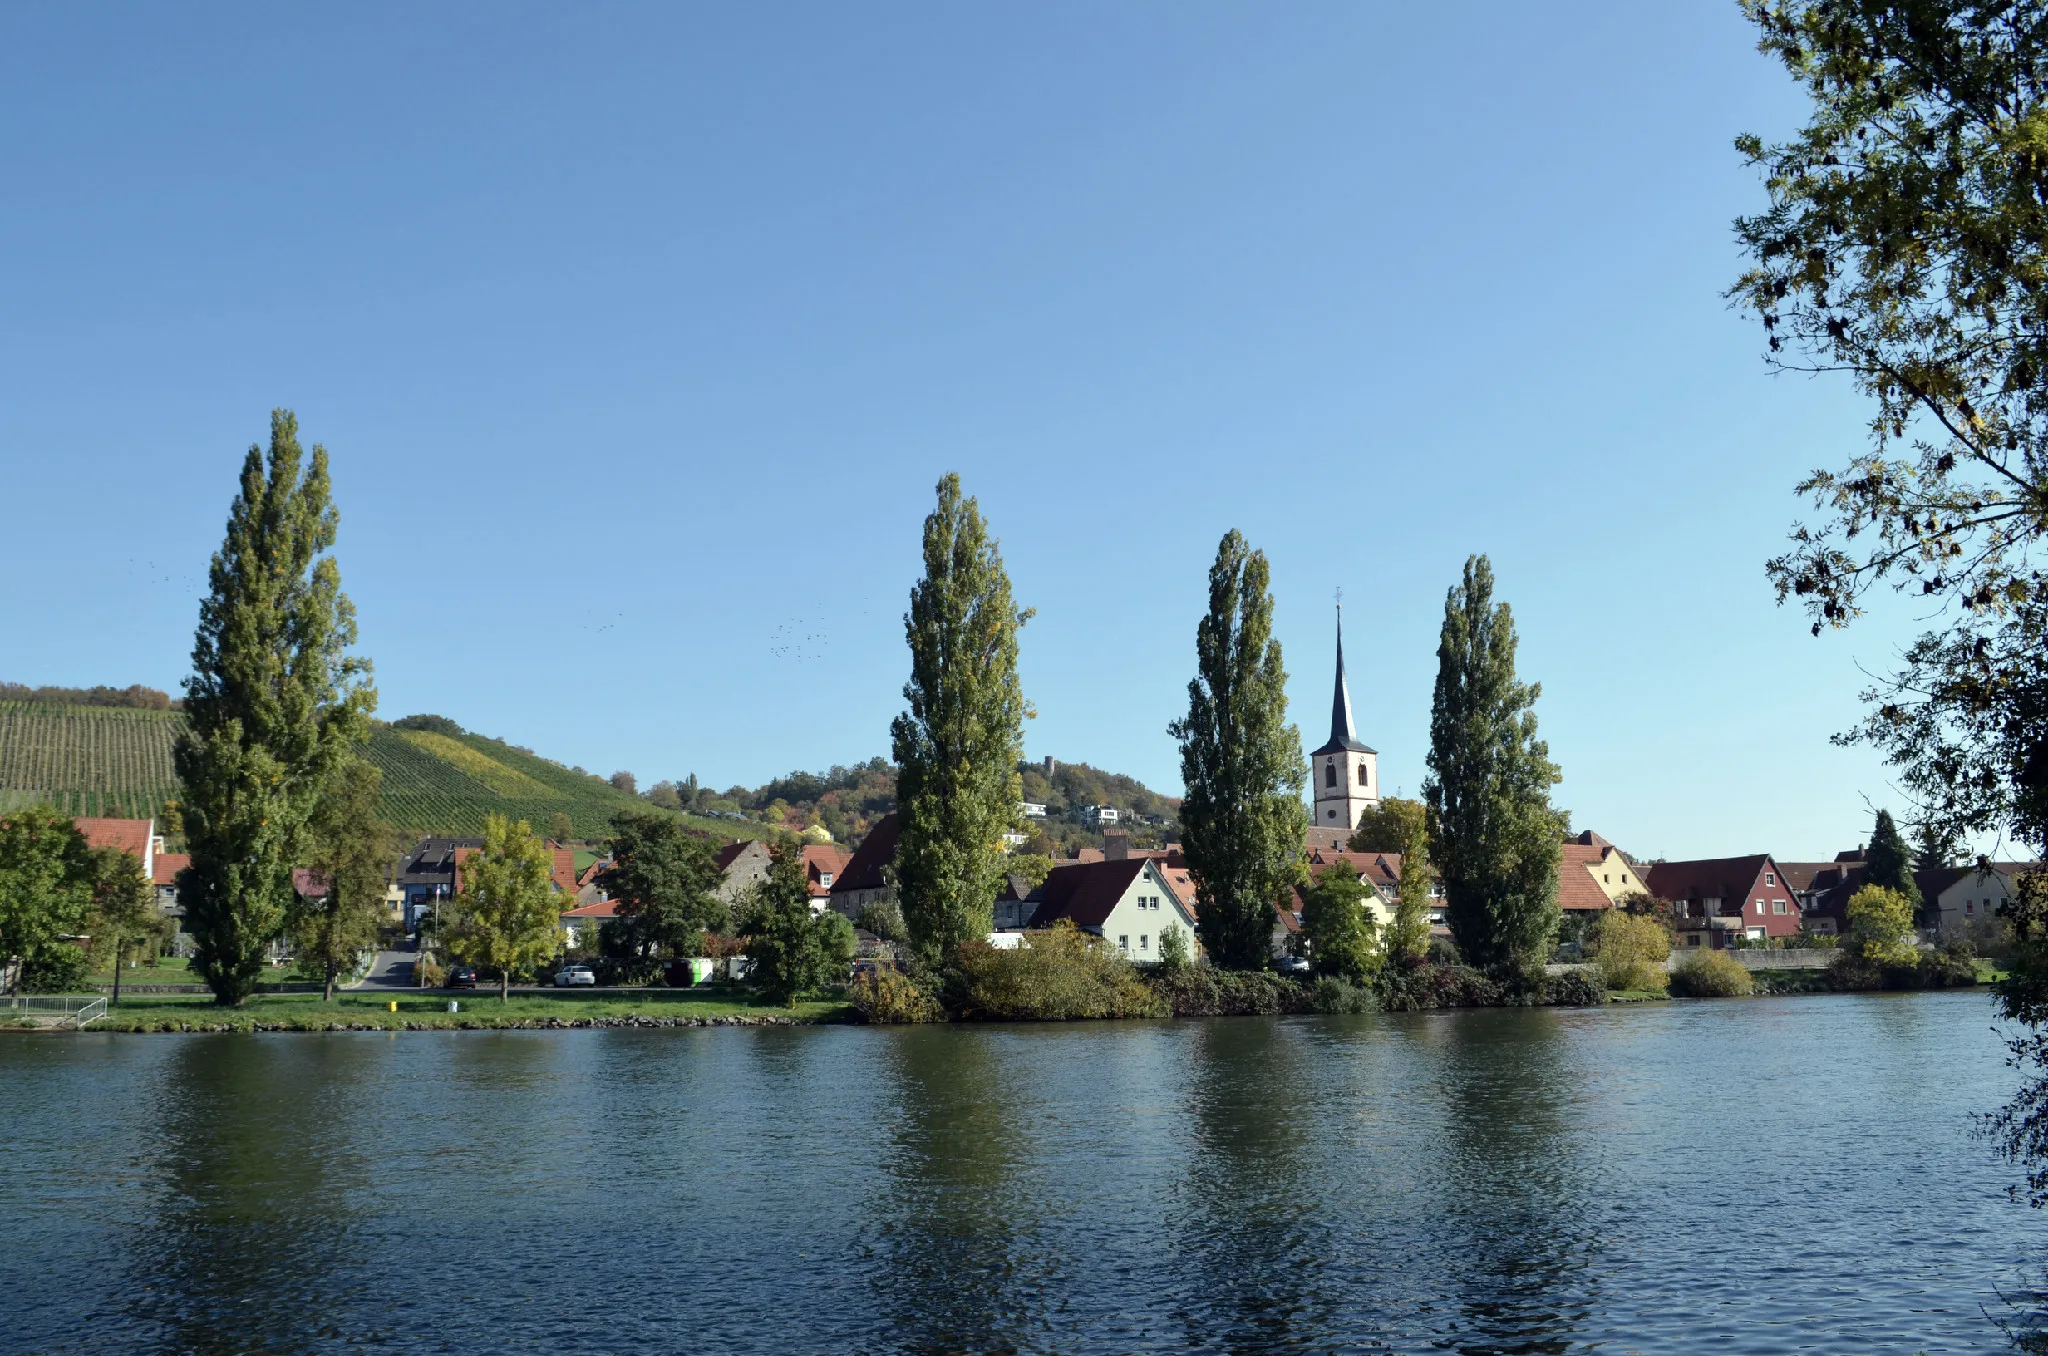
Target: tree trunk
504	983
117	970
327	996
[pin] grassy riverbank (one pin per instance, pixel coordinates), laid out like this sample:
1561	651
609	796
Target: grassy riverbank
372	1012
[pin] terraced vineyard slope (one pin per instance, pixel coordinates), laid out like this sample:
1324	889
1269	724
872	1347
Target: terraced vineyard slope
95	760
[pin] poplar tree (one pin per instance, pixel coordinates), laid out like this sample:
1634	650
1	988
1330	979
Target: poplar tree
1495	839
274	705
352	849
1242	821
957	747
1408	932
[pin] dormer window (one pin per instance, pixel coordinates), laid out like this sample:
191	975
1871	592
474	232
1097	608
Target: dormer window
825	879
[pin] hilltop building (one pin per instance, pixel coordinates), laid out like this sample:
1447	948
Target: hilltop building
1346	772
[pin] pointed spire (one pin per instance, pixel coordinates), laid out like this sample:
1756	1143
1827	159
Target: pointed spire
1341	729
1343	734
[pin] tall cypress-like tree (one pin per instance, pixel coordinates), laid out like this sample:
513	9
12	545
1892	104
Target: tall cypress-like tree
957	746
1494	837
274	705
1889	862
1242	821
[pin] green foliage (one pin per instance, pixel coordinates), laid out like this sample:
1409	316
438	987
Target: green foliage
1058	975
1629	951
1071	787
561	828
884	919
273	707
1341	996
1438	984
1243	821
1576	989
1202	990
958	743
439	725
665	880
1338	928
45	882
122	907
1495	839
1394	825
55	967
891	998
353	848
1889	862
1881	924
1407	941
1173	947
791	952
1904	245
1708	973
507	914
1030	867
134	697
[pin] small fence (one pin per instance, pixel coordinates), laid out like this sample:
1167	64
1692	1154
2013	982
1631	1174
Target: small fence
57	1009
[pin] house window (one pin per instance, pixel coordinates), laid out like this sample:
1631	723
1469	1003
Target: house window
1123	943
1692	939
1777	906
825	879
1969	906
1759	908
1329	772
1770	878
1144	941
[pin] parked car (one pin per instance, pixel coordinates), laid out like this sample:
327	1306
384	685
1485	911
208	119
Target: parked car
460	977
574	975
1293	965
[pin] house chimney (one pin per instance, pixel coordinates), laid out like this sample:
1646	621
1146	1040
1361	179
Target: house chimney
1116	847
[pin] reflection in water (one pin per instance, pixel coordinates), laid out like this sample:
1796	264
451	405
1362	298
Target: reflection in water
950	1269
1247	1218
1511	1177
253	1225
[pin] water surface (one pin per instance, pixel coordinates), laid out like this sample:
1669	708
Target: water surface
1746	1176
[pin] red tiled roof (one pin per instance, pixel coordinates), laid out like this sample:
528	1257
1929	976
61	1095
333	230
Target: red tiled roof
1085	892
876	852
1725	878
604	908
168	865
308	884
1576	888
564	871
129	835
821	860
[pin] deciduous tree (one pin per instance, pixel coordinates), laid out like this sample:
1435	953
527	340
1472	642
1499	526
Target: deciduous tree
506	913
665	879
1496	839
122	909
789	951
351	850
1242	820
45	886
1340	932
1881	923
958	743
1407	941
1388	826
274	705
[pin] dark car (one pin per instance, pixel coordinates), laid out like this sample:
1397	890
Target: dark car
461	977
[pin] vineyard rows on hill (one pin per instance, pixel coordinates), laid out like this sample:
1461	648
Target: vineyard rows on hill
97	760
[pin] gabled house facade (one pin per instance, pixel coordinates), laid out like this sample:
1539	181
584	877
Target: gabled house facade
866	878
1723	901
1969	904
1128	904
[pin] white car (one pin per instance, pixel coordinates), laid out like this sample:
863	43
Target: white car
574	974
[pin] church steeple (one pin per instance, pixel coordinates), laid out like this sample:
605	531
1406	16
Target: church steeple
1343	734
1345	771
1341	729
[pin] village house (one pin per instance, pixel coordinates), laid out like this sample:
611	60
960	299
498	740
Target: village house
1128	903
1969	904
823	863
741	865
866	877
1724	901
580	924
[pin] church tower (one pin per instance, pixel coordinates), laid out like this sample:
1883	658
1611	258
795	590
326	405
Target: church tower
1346	773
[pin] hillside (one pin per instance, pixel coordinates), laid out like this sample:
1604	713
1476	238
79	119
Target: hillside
102	760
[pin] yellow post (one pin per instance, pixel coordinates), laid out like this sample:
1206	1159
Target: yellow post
394	1005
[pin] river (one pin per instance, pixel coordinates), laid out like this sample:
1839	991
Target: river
1765	1175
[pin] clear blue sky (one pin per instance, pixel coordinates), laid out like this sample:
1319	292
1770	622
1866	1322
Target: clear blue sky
640	334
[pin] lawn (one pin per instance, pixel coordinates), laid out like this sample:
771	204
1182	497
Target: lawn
372	1011
166	970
